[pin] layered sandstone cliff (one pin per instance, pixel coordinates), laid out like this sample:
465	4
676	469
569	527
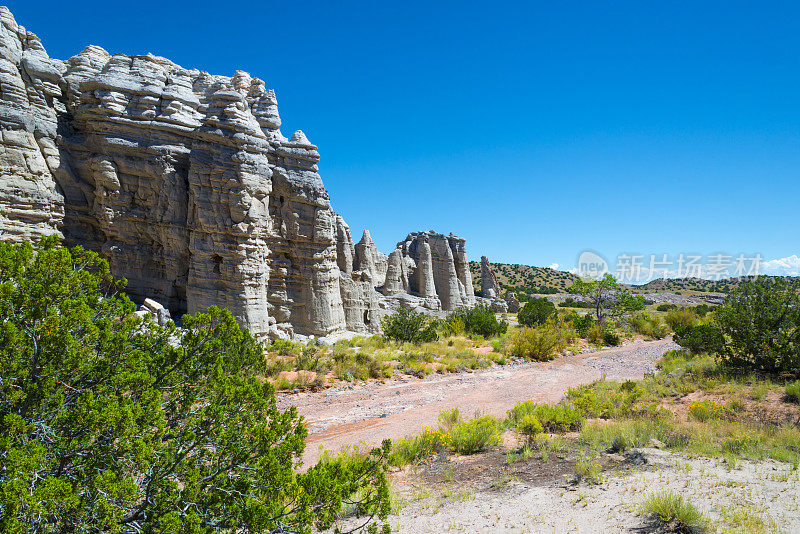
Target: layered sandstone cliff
185	183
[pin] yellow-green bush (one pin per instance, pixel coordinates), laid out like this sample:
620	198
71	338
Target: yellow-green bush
681	318
530	427
648	325
476	435
706	410
430	441
543	342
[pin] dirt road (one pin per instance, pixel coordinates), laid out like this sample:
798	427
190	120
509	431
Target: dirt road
395	408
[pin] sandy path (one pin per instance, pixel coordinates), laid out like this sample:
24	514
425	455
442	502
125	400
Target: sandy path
395	408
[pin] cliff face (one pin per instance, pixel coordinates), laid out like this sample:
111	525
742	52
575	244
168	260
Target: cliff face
185	183
181	179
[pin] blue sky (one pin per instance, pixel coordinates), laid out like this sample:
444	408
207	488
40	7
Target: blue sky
535	130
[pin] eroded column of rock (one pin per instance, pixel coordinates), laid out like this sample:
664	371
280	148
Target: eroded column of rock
31	204
370	260
438	268
359	300
396	275
305	286
490	289
345	248
426	287
459	247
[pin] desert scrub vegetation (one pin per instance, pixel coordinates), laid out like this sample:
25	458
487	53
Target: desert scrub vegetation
637	413
408	325
755	330
455	433
293	365
112	423
535	312
479	320
588	470
543	342
707	410
793	391
650	326
673	510
680	318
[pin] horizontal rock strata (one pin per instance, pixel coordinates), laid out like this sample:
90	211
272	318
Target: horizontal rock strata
184	182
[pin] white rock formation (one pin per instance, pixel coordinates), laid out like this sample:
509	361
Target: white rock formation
370	260
438	269
182	180
396	281
490	289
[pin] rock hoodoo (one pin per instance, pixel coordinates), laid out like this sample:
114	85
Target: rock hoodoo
438	269
184	182
490	289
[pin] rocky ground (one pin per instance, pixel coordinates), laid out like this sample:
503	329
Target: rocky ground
747	497
370	412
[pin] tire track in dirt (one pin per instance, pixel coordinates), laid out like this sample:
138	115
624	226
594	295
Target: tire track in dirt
370	412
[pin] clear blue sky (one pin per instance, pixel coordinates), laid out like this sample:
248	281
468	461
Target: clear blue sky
535	130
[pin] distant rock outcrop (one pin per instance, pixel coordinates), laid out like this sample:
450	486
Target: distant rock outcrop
438	268
184	182
490	289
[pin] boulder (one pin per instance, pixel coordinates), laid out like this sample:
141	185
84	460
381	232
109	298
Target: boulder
513	304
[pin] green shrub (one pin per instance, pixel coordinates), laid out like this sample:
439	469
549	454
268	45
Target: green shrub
702	309
672	508
589	470
582	324
611	339
680	318
605	398
555	418
534	344
706	410
479	320
448	419
284	347
701	338
454	327
530	427
649	325
111	423
793	391
595	334
665	307
407	325
558	418
476	435
535	312
519	411
761	323
429	442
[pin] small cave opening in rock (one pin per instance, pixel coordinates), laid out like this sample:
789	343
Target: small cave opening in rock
217	264
366	317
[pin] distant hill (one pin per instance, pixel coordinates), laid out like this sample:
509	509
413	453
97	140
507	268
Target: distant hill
525	279
701	285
